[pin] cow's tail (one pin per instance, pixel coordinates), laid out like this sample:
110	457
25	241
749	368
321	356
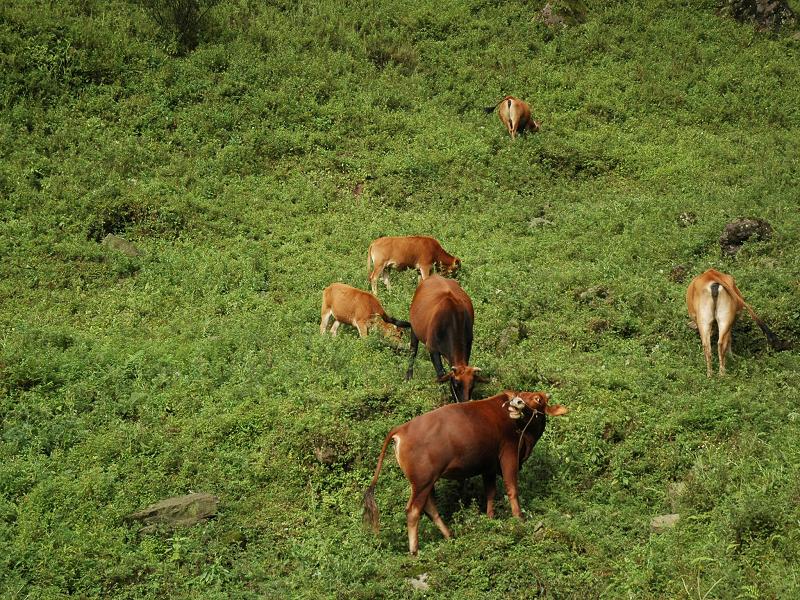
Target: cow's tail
395	322
490	109
772	339
371	517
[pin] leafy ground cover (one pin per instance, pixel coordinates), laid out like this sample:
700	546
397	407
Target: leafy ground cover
198	366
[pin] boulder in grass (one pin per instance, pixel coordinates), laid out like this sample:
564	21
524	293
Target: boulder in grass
772	15
664	522
121	245
180	511
739	231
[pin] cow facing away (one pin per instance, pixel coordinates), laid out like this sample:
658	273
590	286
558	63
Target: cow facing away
515	115
441	317
356	307
455	441
410	252
713	297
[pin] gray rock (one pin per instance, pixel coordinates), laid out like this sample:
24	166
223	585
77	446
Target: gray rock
419	583
180	511
664	522
121	245
676	492
739	231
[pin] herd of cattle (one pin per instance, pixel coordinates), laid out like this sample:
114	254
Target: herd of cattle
495	435
483	437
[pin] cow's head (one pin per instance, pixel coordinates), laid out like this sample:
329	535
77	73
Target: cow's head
450	267
462	381
534	126
525	404
390	331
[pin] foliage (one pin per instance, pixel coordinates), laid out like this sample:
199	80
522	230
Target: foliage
255	170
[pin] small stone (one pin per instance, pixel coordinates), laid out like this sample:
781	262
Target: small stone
675	492
687	218
359	189
664	522
177	511
121	245
678	273
419	583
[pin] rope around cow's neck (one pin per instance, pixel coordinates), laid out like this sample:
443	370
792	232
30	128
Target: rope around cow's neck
522	436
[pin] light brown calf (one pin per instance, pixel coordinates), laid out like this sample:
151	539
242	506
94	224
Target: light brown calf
713	297
515	115
411	252
358	308
461	440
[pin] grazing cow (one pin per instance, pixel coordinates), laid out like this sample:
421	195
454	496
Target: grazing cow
713	296
358	308
515	115
412	252
455	441
441	317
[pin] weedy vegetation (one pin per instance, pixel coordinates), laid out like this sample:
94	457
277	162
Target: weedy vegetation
252	166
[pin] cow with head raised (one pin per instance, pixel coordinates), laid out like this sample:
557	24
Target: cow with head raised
484	437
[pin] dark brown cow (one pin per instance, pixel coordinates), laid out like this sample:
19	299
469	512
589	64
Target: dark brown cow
411	252
441	317
515	115
455	441
358	308
713	296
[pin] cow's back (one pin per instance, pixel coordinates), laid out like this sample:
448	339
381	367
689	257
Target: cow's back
350	303
456	440
435	300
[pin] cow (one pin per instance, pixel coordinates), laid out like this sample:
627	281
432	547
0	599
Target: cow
482	437
515	115
441	317
358	308
411	252
713	296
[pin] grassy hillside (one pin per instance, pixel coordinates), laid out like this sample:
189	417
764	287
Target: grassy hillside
198	366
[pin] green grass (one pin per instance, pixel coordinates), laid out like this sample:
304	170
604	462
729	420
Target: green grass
199	365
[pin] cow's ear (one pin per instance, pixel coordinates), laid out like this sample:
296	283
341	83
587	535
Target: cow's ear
481	379
444	377
556	410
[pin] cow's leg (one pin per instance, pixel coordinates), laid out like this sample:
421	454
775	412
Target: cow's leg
725	315
323	324
436	359
377	270
490	489
425	271
335	327
705	322
430	510
416	503
414	348
362	328
385	278
509	465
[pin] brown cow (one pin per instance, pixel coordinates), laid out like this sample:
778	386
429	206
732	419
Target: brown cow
713	296
515	115
412	252
358	308
441	317
462	440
